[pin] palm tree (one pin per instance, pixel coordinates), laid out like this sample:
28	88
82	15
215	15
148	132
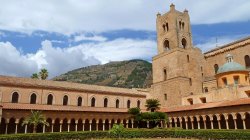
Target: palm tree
44	74
152	104
35	119
34	76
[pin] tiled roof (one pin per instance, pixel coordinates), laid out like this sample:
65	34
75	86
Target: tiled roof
17	106
48	84
243	101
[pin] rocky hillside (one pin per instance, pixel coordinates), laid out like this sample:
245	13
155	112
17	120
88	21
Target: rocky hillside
127	74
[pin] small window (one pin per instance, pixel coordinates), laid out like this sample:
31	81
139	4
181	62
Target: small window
183	24
184	43
65	100
224	81
190	101
180	25
248	94
205	89
236	80
138	104
164	28
50	99
33	99
93	102
105	102
167	26
187	58
247	61
201	69
165	74
117	102
165	96
216	68
79	101
15	97
128	104
166	45
203	100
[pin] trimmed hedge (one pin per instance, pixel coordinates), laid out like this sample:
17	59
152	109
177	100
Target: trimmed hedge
136	133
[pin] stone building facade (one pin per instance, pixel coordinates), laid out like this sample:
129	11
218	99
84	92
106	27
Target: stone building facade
197	90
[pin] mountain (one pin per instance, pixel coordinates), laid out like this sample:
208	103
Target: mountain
126	74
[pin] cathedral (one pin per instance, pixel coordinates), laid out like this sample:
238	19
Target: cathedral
196	90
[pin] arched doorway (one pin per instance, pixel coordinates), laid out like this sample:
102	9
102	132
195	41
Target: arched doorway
183	123
106	126
49	128
100	125
80	125
189	123
208	122
86	125
247	120
2	126
231	122
11	126
65	125
93	125
72	125
57	125
202	125
239	121
215	122
223	122
195	122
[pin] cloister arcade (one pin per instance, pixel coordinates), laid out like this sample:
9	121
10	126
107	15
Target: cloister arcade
216	121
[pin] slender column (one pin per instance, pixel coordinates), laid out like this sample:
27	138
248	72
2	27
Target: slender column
175	123
109	125
103	126
244	123
205	124
25	128
132	124
147	124
82	126
68	126
44	128
60	127
192	123
6	128
97	126
90	126
181	123
52	128
212	124
76	127
235	124
15	128
227	124
186	124
219	124
199	124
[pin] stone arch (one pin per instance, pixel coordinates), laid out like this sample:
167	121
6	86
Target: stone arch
72	125
230	121
129	123
57	125
112	123
100	125
87	125
79	101
48	128
65	100
178	123
124	122
239	121
223	122
247	120
183	123
195	122
93	125
65	124
15	97
106	124
33	98
208	122
172	122
3	126
189	122
50	99
20	127
11	126
215	122
202	122
80	125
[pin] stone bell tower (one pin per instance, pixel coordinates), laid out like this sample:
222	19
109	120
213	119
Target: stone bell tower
177	68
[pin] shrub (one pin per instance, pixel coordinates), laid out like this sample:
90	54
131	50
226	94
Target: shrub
116	130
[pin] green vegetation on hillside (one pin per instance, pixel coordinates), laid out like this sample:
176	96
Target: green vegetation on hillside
126	74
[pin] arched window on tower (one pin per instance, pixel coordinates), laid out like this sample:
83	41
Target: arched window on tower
166	45
184	43
105	104
65	100
79	101
117	102
216	68
50	99
138	104
180	25
33	99
183	24
164	27
167	26
93	102
128	104
247	61
190	81
165	74
15	97
187	58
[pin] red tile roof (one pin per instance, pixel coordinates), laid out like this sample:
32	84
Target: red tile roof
17	106
244	101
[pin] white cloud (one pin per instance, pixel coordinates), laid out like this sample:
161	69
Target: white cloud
83	37
69	17
60	60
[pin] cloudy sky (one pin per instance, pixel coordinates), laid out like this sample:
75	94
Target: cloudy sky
64	35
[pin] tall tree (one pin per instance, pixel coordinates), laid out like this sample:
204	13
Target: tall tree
44	74
152	104
35	119
34	76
